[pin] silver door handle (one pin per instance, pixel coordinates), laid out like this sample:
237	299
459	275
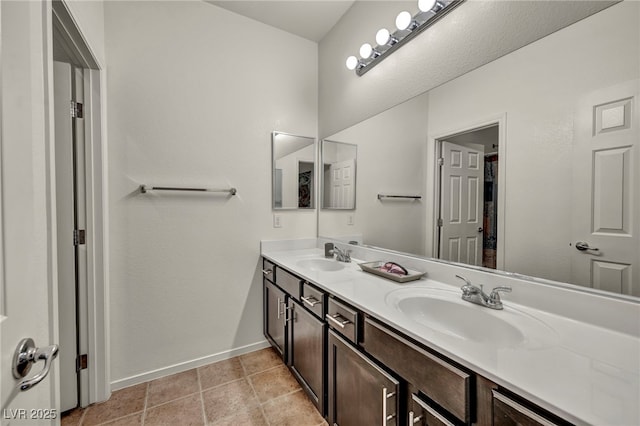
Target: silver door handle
582	246
25	356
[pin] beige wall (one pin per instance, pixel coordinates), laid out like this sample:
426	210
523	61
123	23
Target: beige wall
194	92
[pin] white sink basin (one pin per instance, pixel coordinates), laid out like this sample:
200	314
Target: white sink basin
445	312
325	265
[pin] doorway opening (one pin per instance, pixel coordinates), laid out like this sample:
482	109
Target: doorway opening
467	201
81	219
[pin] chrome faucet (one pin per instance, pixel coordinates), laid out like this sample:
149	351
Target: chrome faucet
341	255
475	294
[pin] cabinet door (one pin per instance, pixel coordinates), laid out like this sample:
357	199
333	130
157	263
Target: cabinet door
307	351
360	393
274	317
423	414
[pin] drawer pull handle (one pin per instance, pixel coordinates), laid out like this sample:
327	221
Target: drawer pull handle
338	320
412	419
311	301
267	271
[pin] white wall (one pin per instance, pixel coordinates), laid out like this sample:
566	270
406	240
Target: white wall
538	88
391	160
474	34
89	16
194	92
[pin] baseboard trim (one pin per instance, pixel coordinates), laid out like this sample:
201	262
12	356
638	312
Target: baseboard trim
185	366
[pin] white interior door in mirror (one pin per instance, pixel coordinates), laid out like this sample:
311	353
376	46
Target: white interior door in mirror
339	175
605	188
461	205
342	184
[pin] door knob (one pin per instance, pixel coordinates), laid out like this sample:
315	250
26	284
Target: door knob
480	229
25	356
582	246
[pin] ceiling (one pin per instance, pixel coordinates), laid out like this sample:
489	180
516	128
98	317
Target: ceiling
310	19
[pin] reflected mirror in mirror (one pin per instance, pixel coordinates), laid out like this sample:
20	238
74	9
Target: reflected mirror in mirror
293	171
555	199
339	175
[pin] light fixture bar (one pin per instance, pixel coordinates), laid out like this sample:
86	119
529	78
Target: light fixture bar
441	8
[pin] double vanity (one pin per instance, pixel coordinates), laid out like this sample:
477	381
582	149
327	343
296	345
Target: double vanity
370	351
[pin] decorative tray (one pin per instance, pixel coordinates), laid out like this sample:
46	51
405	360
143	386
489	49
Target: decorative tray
379	268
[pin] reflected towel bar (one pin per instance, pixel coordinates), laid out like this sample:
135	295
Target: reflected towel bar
410	197
145	188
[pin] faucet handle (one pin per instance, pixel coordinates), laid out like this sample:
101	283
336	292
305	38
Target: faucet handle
494	297
469	288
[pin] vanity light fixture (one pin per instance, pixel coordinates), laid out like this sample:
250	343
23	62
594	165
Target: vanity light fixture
408	26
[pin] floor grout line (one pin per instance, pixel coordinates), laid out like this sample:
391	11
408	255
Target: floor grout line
146	402
204	413
264	414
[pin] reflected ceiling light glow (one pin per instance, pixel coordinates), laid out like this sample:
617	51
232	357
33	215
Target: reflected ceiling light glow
408	26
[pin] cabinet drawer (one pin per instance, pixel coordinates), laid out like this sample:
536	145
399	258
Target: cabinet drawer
507	411
268	270
342	319
288	282
444	383
313	299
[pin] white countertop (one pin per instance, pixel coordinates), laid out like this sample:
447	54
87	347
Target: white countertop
582	372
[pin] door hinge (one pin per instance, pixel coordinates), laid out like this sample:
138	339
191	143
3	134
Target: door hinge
440	222
79	237
81	362
76	110
440	161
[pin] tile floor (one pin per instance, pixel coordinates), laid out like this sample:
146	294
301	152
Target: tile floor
252	389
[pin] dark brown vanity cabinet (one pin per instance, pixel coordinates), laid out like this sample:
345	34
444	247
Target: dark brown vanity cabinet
360	371
306	352
274	317
447	385
297	333
360	392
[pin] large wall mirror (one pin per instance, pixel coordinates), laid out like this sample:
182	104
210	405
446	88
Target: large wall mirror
529	164
338	175
293	171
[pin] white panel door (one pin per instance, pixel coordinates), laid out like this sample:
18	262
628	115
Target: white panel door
27	232
605	191
65	201
343	184
461	203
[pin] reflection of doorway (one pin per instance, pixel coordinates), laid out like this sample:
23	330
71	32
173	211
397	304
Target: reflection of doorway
467	210
305	184
341	178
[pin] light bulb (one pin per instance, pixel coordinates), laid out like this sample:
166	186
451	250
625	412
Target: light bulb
366	51
426	5
383	36
403	20
352	63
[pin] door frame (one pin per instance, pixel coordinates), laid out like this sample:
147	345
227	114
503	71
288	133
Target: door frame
92	304
433	153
